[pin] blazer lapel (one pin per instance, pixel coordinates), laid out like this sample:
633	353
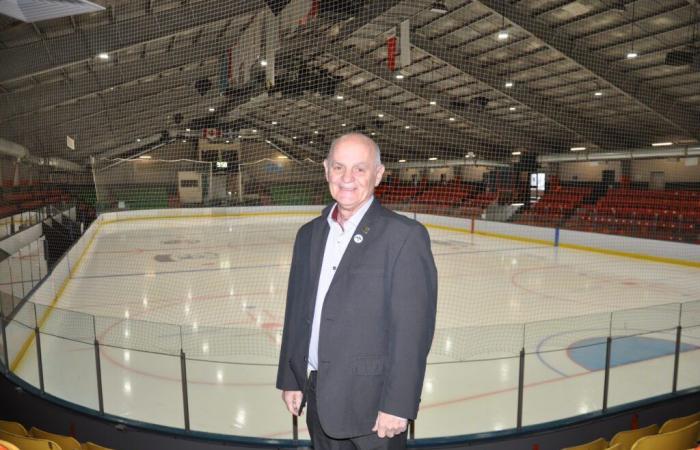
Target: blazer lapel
319	235
366	230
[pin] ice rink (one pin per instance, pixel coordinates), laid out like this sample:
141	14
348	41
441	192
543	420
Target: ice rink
215	288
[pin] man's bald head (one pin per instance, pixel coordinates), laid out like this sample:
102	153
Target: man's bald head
357	138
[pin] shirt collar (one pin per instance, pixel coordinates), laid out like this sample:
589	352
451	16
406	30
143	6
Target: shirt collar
356	218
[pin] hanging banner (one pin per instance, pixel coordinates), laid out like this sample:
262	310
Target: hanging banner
391	53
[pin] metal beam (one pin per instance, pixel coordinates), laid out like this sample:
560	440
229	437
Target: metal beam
505	132
382	136
69	49
567	118
666	108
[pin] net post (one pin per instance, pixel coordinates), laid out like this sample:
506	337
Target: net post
98	377
40	365
606	381
6	368
521	388
676	357
295	429
185	399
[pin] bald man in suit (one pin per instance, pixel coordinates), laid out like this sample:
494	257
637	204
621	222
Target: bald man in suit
360	312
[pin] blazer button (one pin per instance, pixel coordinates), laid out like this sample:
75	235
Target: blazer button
306	359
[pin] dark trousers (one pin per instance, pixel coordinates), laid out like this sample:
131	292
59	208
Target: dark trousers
321	441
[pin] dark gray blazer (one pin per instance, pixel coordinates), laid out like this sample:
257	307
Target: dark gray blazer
377	321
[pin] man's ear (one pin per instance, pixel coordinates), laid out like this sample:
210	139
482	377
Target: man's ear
380	173
325	169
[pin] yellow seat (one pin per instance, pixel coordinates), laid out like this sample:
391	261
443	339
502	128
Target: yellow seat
679	422
615	447
4	445
91	446
66	442
627	438
13	427
28	443
673	440
598	444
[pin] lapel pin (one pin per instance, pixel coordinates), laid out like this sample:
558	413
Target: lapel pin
358	238
365	229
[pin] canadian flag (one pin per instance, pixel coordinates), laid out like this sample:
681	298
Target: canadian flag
211	133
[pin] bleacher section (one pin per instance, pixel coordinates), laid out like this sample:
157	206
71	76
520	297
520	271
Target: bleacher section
555	207
680	433
14	201
450	199
649	214
16	434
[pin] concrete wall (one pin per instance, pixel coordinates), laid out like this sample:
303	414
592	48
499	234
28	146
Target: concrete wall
675	170
587	171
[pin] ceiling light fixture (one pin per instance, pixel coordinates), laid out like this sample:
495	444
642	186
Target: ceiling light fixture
452	119
402	160
399	76
516	153
632	54
339	97
315	131
380	115
661	144
432	159
512	108
187	129
578	149
408	127
598	94
212	109
509	84
503	34
343	124
104	56
263	62
254	130
274	122
138	139
145	157
373	133
439	7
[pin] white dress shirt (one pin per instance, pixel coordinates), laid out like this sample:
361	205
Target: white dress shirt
338	239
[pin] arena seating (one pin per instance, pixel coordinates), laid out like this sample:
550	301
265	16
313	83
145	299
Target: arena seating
555	207
681	439
13	427
679	422
36	439
13	201
626	439
66	442
4	445
680	433
665	215
28	443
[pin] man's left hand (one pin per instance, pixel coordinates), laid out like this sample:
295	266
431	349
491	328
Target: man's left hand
388	425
